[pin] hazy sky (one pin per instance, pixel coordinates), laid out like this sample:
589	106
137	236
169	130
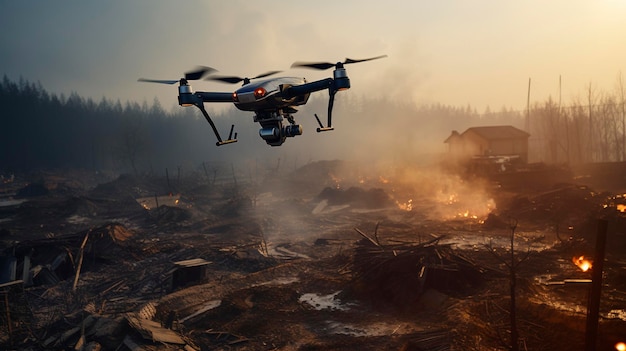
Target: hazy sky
456	52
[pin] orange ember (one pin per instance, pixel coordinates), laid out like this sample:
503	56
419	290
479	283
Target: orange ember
407	206
582	263
620	346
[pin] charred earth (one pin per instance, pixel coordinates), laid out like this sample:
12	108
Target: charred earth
329	256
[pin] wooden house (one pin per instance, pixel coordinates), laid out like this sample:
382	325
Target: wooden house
489	142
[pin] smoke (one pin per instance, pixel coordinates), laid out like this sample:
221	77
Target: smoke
419	191
423	188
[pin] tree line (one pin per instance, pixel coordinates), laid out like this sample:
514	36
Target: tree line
590	129
42	130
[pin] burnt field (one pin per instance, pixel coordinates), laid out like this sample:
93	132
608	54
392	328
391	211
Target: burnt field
329	256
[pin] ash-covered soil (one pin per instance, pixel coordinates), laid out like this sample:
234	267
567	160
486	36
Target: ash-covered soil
330	256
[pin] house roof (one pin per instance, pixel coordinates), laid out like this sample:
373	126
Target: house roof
498	132
453	135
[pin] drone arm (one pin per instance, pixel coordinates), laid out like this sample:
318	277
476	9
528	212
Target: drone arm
214	97
307	88
187	99
340	82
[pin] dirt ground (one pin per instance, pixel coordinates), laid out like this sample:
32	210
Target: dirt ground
329	256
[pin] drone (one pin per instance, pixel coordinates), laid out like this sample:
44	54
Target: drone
273	100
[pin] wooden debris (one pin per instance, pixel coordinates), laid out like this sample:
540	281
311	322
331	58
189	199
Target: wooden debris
131	344
205	307
153	331
80	260
397	274
368	238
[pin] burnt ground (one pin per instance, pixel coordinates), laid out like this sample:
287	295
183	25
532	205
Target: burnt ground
320	258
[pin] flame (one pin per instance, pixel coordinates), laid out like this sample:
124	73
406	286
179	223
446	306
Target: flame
620	346
466	214
335	179
407	206
453	198
582	263
621	208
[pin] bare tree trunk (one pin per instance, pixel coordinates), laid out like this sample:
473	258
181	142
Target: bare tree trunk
528	109
513	284
591	129
566	147
622	96
512	263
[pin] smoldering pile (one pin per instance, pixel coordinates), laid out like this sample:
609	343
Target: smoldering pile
398	274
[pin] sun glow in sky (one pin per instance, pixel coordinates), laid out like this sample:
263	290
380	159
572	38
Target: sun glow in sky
455	52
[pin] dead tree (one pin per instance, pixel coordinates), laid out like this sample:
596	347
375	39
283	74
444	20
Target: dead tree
512	263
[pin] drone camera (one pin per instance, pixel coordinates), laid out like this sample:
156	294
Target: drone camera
275	135
292	130
269	133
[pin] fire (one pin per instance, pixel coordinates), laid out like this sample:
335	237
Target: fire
407	206
620	346
336	180
452	198
582	263
466	214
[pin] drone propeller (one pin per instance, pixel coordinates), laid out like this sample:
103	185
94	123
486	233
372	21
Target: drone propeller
196	74
235	79
327	65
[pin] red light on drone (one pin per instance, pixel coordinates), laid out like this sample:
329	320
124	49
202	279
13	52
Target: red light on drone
259	92
235	98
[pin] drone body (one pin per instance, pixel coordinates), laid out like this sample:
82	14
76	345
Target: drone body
272	100
272	107
267	94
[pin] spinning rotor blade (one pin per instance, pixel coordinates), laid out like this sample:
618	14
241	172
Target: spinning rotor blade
199	72
327	65
196	74
348	61
235	79
266	74
314	65
161	81
226	79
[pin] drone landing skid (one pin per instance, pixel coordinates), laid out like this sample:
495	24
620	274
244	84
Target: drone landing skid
219	142
331	100
322	128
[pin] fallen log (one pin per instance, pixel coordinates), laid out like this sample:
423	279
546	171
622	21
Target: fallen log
368	238
80	260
